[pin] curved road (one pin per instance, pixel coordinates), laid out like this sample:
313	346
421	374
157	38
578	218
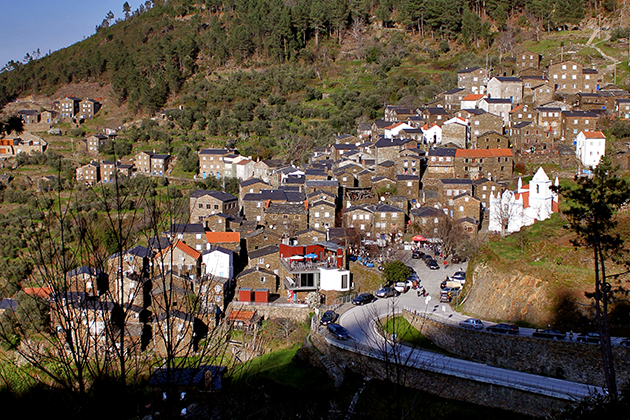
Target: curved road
361	324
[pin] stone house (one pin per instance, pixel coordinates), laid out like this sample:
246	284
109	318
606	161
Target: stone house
469	225
523	113
257	277
254	203
310	236
91	281
440	164
321	215
267	257
88	108
527	135
29	116
526	59
322	195
410	162
497	164
506	88
455	131
448	189
260	238
285	218
143	162
382	184
497	106
388	220
217	222
590	80
473	79
69	106
566	76
108	171
211	162
426	220
408	186
346	176
159	164
48	117
266	169
378	128
174	333
179	258
387	169
228	240
203	203
90	173
192	234
359	217
466	205
338	150
482	187
622	108
490	140
95	142
364	178
434	115
551	119
543	93
388	149
400	201
452	98
397	113
483	122
573	122
331	186
316	174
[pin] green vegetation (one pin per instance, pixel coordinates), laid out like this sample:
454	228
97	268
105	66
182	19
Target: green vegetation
396	271
407	334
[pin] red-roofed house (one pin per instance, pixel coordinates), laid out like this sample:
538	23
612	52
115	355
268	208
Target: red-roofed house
590	146
392	131
229	240
471	101
432	133
179	258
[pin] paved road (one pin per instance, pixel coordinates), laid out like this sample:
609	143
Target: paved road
361	324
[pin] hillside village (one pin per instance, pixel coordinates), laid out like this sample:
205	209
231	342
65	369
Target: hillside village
288	237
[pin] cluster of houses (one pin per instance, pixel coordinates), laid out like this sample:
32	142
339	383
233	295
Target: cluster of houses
68	108
288	232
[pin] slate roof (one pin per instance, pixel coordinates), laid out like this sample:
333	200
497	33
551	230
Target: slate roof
269	249
256	269
456	181
187	228
426	212
284	208
579	114
443	151
407	177
468	70
219	195
252	181
213	152
508	79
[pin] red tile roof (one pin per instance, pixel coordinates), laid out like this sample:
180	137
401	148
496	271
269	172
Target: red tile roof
42	292
182	247
472	97
594	135
223	237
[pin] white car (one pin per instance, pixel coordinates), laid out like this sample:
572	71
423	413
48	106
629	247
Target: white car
471	323
401	287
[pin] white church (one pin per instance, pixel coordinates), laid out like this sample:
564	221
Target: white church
510	211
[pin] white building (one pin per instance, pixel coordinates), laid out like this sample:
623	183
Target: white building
393	130
432	133
590	146
334	279
218	262
471	101
512	210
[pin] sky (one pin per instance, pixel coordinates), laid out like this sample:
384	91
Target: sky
50	24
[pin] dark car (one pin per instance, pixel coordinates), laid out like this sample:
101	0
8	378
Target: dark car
433	265
417	255
503	328
427	258
363	298
338	331
549	333
386	292
459	275
329	317
446	297
625	342
588	338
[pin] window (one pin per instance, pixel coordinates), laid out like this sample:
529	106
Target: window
354	217
394	215
378	225
327	214
316	214
200	206
574	77
262	279
383	215
409	183
362	226
261	260
461	208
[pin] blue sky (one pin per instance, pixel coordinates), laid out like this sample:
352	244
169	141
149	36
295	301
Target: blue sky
50	24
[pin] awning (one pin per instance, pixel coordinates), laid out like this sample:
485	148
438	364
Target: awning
310	256
297	257
419	238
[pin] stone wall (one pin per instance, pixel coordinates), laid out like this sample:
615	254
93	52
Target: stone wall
297	312
569	360
337	360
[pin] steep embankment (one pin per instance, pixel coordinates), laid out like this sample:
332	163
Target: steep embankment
535	276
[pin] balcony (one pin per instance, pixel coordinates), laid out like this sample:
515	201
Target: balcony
300	266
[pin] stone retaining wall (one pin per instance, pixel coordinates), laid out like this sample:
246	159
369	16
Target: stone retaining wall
435	383
297	313
578	362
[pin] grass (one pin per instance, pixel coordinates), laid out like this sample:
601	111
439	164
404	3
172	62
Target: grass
407	334
366	279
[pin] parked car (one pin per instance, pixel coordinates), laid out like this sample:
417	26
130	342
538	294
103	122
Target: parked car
363	298
471	323
338	331
590	337
329	317
401	287
433	265
459	276
417	254
549	333
503	328
454	291
386	292
625	342
427	258
446	297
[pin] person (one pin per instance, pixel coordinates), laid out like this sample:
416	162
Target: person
570	335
